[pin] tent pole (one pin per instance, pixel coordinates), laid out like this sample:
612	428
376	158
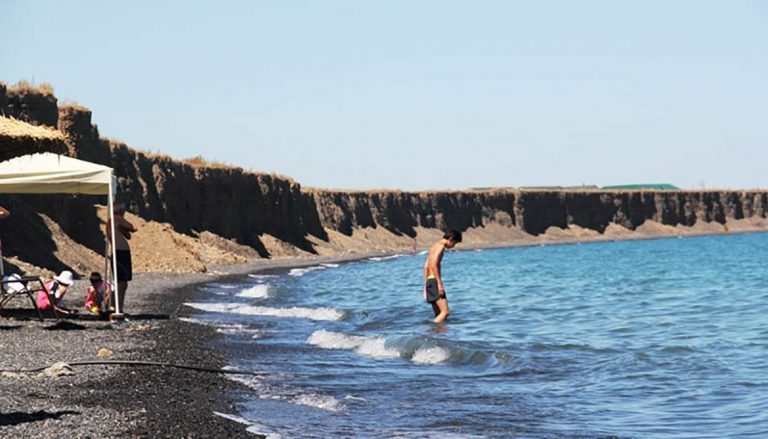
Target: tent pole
116	288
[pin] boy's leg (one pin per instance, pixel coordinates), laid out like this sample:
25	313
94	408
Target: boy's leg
121	287
442	306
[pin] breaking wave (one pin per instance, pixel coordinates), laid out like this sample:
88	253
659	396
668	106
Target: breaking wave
260	291
328	314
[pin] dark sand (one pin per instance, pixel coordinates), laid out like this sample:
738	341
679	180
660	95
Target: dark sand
123	401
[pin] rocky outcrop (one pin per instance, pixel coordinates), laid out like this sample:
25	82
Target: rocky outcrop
36	105
3	100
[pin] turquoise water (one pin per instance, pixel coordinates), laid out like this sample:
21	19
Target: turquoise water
660	338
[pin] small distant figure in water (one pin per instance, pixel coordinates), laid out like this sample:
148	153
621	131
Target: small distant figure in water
434	290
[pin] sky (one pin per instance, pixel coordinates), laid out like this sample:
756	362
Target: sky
417	95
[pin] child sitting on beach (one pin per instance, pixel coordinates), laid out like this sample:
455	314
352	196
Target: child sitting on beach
55	288
97	300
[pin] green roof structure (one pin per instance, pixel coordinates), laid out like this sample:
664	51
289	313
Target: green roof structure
642	187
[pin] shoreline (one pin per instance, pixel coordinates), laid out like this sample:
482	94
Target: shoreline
124	401
118	400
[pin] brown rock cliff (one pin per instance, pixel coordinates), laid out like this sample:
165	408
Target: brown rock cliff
245	207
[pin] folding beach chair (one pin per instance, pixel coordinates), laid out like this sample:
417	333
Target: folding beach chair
18	286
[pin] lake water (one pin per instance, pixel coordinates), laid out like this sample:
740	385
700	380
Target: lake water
662	338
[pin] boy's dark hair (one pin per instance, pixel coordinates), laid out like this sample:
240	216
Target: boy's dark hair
95	277
453	234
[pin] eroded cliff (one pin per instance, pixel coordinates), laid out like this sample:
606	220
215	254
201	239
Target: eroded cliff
263	211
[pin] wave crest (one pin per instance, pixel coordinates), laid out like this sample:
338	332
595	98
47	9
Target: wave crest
374	347
326	314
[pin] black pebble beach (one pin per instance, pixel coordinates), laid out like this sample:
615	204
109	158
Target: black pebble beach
99	401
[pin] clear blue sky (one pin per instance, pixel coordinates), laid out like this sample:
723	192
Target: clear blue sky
417	95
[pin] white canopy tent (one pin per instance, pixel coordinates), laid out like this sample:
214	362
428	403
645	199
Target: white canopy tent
49	173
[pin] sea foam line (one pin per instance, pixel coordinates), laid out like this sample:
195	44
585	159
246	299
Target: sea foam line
327	314
384	258
260	291
252	426
296	272
225	328
293	396
374	347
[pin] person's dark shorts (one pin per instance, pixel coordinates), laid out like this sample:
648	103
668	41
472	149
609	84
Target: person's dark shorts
124	266
433	291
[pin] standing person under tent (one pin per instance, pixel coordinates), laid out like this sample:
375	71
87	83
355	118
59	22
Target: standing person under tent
124	269
4	213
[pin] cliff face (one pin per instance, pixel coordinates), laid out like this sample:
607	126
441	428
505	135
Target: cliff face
401	212
595	210
244	206
33	105
227	201
3	100
533	211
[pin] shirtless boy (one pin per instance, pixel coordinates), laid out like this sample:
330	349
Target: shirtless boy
434	290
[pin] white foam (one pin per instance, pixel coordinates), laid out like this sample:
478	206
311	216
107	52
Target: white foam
296	272
262	276
260	291
434	355
323	402
299	397
237	328
223	286
252	426
330	265
328	314
384	258
224	328
374	347
191	320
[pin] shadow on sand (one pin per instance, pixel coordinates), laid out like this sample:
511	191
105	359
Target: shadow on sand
16	418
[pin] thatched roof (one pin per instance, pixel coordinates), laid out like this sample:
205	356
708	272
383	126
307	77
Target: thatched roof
19	138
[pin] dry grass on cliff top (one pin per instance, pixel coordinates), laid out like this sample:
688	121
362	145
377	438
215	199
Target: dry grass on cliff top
20	138
201	162
387	191
27	87
18	131
71	105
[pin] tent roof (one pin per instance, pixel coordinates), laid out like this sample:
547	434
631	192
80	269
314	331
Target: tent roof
19	138
48	173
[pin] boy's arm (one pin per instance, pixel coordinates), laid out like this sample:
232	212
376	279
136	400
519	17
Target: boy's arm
124	223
